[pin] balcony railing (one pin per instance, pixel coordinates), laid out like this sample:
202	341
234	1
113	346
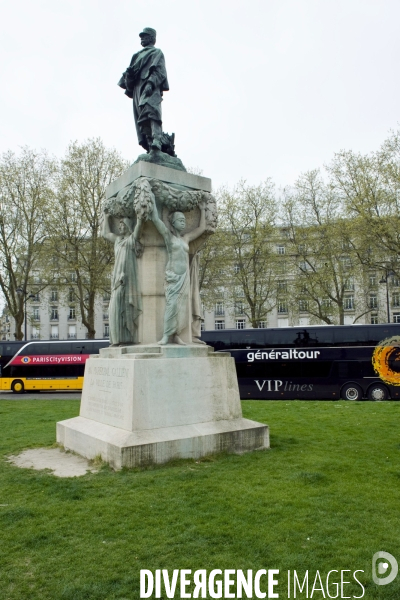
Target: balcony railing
54	336
72	336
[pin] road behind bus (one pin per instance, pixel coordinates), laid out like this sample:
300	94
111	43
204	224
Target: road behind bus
41	395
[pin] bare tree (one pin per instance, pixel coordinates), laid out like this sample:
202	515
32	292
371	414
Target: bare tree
370	188
84	257
26	192
326	269
241	257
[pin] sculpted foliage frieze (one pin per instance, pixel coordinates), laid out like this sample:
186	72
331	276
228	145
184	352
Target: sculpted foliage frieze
136	200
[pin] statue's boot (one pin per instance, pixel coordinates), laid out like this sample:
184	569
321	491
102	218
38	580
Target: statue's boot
196	340
164	340
156	132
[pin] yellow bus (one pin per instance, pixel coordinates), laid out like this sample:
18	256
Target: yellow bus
45	365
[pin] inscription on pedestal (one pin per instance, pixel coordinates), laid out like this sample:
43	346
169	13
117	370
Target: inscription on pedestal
105	394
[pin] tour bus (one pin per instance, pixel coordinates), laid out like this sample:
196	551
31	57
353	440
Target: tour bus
351	362
45	365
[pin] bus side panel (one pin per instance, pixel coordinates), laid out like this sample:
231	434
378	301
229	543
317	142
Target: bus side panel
73	383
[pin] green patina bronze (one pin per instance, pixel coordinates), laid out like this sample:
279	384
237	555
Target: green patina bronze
145	81
179	289
126	300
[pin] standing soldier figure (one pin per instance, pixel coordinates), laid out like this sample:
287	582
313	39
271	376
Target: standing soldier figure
144	81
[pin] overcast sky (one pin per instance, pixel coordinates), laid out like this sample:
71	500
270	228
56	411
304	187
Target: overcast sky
258	88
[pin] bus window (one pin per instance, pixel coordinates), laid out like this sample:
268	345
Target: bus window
323	336
219	339
347	369
284	338
37	349
247	339
368	369
60	348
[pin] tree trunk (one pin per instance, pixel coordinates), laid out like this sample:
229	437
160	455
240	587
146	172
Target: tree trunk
19	320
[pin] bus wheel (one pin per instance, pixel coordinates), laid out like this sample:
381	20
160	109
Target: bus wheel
378	392
351	391
17	386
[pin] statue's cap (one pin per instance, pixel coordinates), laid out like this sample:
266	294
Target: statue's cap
148	31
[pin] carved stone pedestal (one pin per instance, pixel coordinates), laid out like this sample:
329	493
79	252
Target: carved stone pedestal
173	190
147	404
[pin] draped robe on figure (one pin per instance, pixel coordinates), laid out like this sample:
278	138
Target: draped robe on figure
126	301
147	66
177	292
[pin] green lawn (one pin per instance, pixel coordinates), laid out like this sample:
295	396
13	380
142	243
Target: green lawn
325	496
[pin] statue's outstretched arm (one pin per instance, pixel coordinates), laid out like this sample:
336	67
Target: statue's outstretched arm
193	235
137	232
107	233
161	228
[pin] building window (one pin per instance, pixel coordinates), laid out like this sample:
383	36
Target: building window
349	284
219	308
326	303
106	331
372	280
303	265
373	301
105	316
202	326
219	324
374	319
346	262
396	317
239	308
282	307
35	333
281	267
72	313
71	295
395	281
262	324
281	249
54	332
54	313
35	314
348	303
239	292
240	323
303	305
236	268
396	300
35	297
72	276
54	296
106	297
71	332
282	285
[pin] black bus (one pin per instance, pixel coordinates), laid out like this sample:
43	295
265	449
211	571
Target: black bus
321	362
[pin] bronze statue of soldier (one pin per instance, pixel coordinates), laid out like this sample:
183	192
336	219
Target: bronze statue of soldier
144	81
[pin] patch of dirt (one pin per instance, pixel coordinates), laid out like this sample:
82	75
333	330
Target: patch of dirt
62	464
